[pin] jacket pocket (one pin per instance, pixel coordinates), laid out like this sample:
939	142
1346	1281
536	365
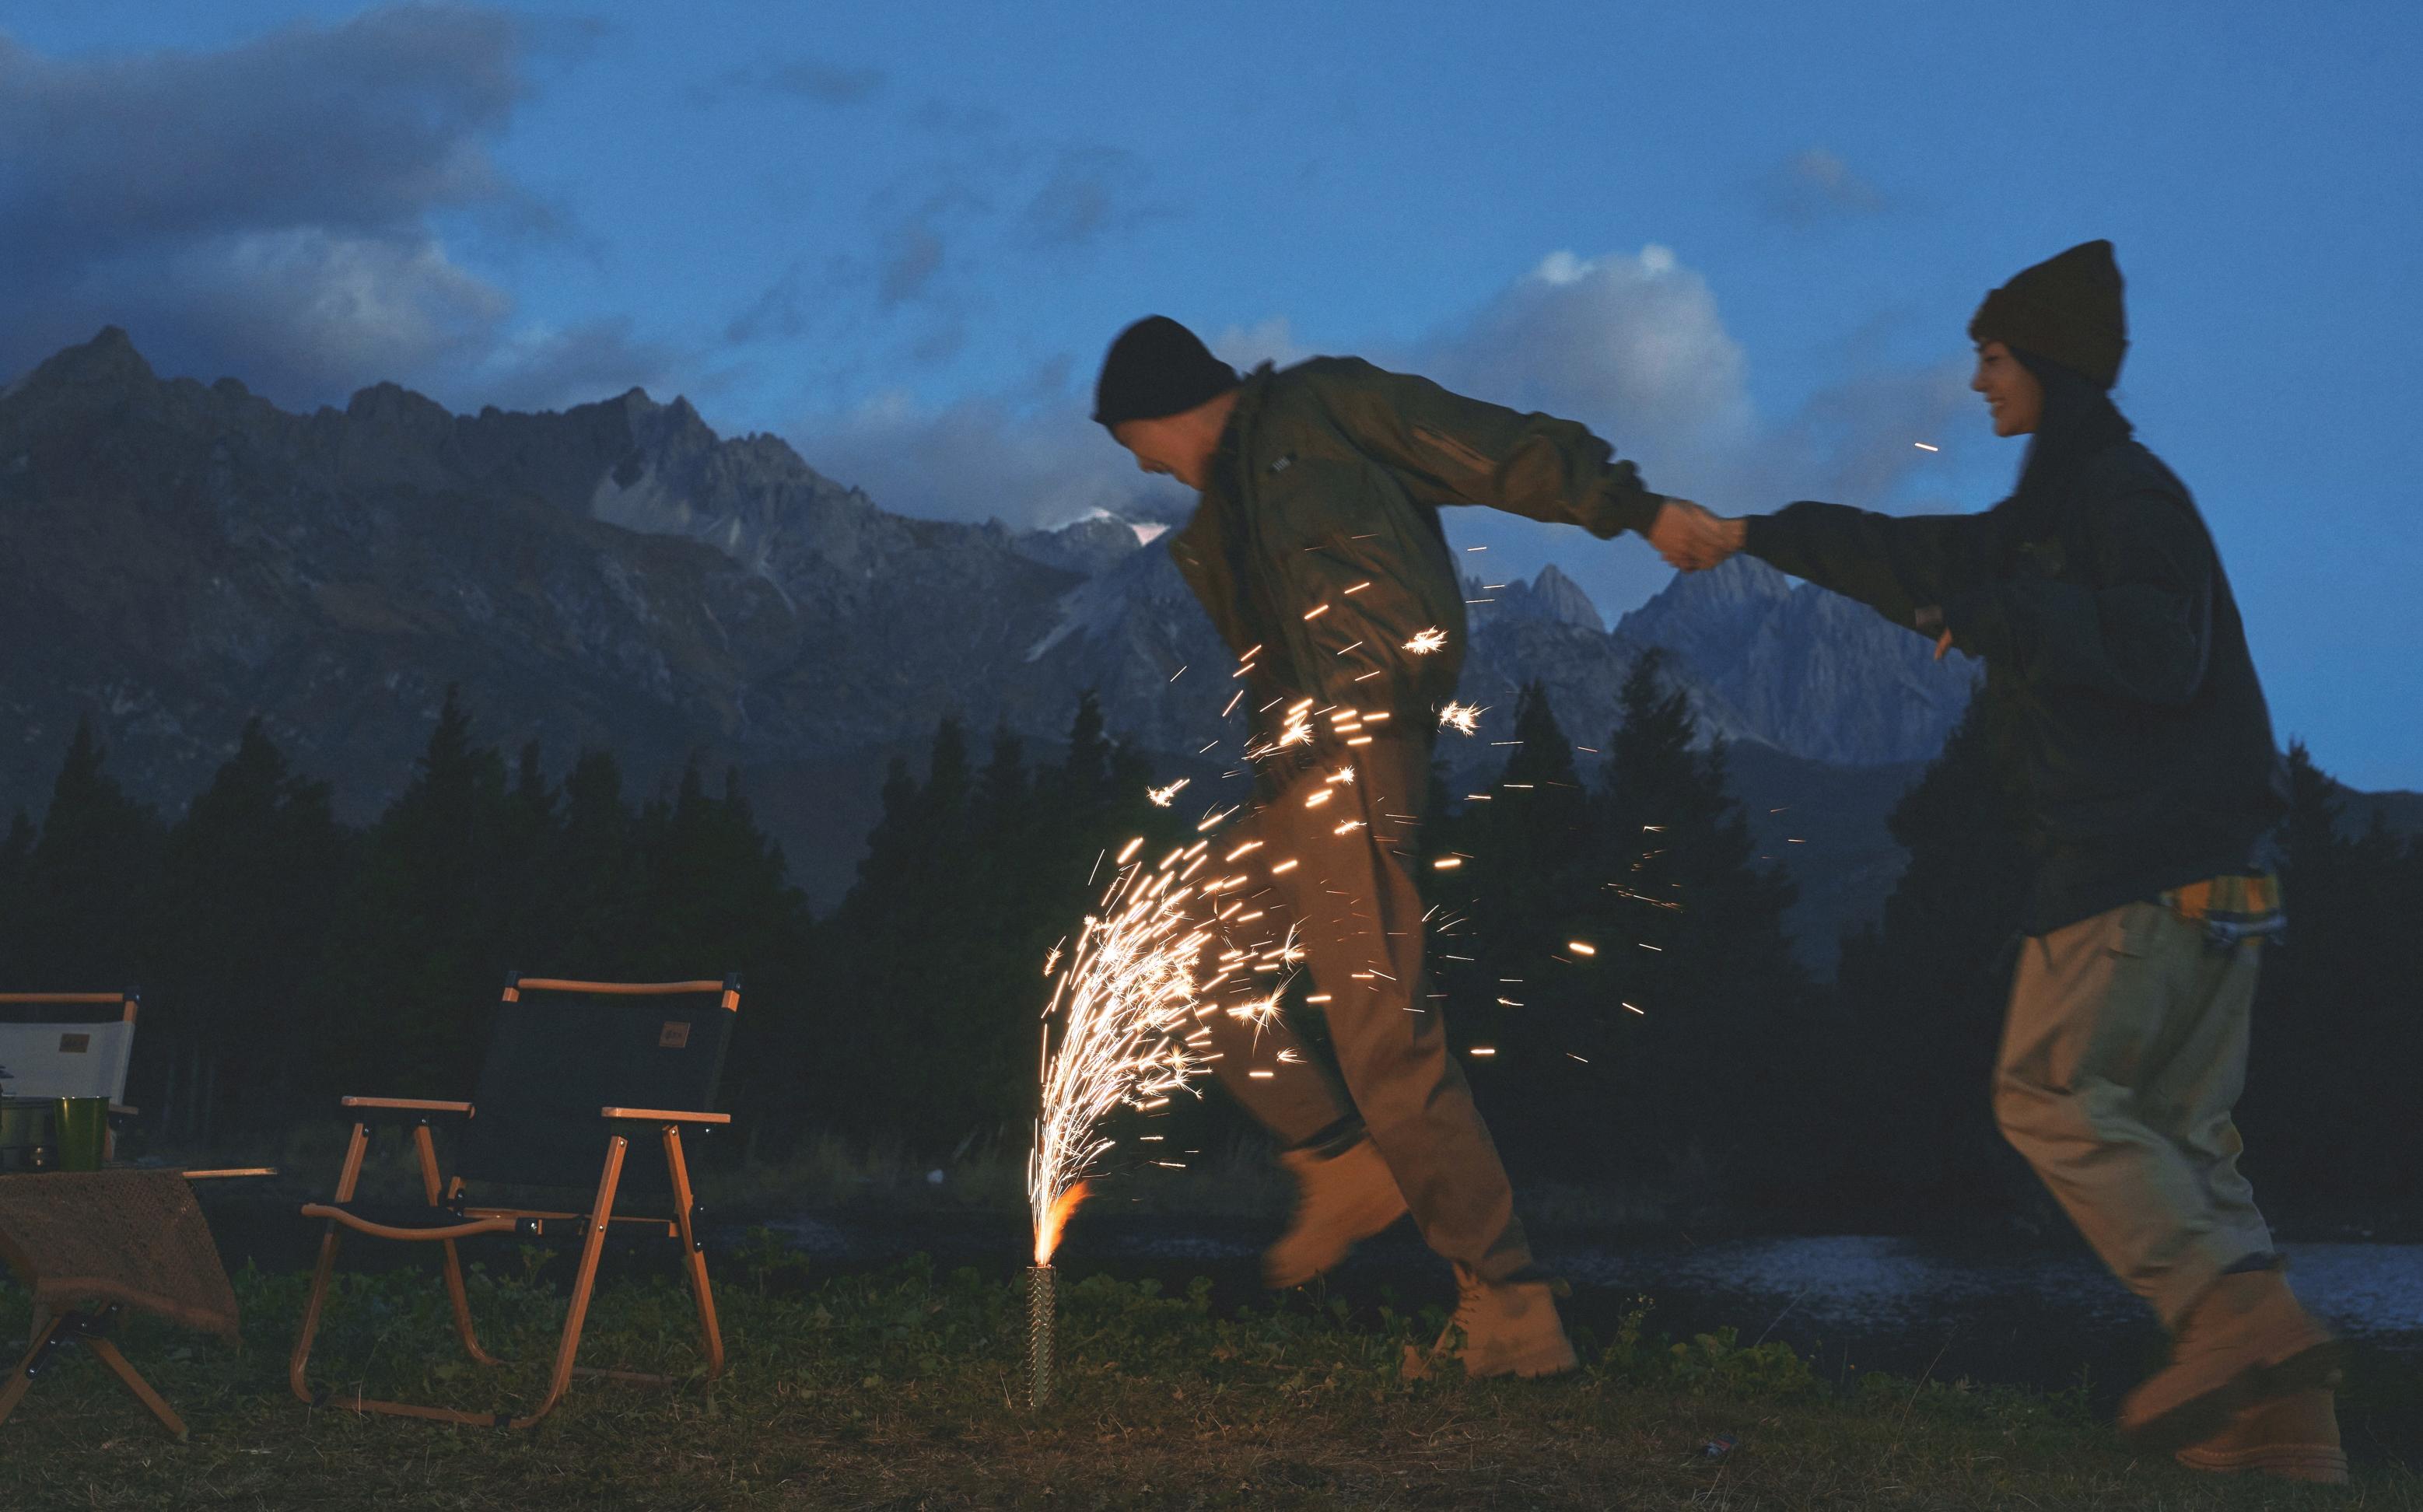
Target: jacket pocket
2133	928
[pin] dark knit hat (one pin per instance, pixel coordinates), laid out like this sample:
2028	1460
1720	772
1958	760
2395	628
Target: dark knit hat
1156	367
2066	309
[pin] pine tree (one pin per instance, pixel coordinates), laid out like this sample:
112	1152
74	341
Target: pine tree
424	937
250	880
1521	891
89	902
2338	1016
1711	1006
1924	993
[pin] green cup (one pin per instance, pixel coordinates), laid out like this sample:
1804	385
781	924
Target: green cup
83	1132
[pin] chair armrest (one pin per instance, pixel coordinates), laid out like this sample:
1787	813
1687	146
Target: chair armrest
661	1115
365	1109
119	1110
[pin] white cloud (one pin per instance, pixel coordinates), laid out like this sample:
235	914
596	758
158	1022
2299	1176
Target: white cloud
1813	185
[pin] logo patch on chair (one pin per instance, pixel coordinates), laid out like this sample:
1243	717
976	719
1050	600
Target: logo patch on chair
673	1037
75	1043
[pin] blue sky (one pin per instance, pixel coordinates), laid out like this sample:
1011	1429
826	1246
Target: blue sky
1742	242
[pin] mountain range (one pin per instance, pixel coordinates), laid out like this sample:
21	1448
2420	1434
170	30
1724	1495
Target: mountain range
176	557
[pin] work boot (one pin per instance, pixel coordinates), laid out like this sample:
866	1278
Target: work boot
1340	1200
2245	1341
2294	1437
1500	1329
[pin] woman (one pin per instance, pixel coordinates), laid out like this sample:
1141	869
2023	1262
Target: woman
2107	630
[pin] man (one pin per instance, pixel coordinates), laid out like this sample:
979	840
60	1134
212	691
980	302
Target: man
2109	632
1318	552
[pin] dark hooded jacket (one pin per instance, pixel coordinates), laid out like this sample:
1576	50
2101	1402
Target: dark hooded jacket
1317	548
2109	632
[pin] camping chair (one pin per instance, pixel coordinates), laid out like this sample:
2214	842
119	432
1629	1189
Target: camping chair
81	1057
575	1070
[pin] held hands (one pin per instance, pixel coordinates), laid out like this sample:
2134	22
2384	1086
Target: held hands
1693	540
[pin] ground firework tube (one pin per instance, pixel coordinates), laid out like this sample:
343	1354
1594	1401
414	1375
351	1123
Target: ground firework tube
1040	1305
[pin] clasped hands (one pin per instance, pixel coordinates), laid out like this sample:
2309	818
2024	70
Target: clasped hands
1692	539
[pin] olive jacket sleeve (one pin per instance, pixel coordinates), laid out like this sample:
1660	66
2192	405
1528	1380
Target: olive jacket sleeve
1450	450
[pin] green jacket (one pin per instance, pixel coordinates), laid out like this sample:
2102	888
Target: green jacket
1317	548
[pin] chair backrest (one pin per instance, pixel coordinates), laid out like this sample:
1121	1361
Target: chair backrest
562	1050
60	1057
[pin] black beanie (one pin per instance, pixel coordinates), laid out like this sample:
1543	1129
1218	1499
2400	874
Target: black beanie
1156	367
2066	309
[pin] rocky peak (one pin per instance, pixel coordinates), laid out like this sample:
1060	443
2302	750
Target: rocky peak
108	360
1551	598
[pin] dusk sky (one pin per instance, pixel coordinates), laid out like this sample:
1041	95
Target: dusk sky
1741	242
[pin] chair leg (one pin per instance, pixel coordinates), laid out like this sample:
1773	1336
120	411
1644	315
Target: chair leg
23	1377
135	1384
585	1282
432	1188
348	1178
693	1258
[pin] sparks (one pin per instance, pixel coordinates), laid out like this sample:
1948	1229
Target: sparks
1582	947
1923	447
1122	1005
1161	797
1426	641
1460	717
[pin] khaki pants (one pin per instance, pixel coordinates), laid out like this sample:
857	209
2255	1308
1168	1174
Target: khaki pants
2123	1052
1358	913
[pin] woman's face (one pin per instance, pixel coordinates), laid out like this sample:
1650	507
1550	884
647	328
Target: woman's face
2013	396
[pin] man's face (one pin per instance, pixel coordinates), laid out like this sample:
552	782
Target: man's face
2013	396
1171	447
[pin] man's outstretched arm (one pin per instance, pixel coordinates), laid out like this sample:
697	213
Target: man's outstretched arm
1457	451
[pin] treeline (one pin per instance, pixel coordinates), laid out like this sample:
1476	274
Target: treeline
1608	951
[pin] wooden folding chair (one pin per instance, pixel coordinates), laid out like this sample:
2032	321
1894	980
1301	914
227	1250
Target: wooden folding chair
575	1070
45	1053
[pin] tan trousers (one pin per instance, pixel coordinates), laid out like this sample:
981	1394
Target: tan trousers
1352	896
2123	1053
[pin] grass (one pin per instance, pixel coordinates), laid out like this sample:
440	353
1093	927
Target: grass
900	1390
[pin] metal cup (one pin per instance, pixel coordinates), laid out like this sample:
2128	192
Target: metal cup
83	1132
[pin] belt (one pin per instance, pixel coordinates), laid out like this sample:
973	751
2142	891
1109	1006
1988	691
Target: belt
2241	905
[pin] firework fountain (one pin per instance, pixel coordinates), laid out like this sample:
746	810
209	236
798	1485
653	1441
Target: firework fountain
1121	1029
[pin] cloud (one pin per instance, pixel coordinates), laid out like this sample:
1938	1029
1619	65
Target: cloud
1813	185
269	210
806	78
1631	345
1092	192
1026	455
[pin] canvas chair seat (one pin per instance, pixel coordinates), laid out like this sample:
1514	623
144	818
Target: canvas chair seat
573	1073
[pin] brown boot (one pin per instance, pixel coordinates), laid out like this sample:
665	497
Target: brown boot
1499	1329
1340	1200
2294	1437
2245	1342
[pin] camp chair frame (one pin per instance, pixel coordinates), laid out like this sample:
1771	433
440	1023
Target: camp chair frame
126	1002
618	1125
